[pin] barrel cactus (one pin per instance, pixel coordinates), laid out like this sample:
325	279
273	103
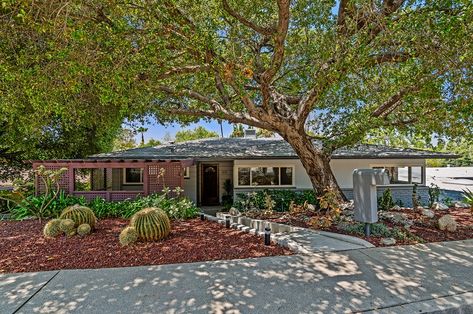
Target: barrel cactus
52	228
80	215
128	236
67	226
151	224
83	229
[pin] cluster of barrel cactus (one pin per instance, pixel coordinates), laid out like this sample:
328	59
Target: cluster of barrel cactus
149	224
80	215
73	220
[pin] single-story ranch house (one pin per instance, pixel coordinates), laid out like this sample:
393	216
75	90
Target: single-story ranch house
202	167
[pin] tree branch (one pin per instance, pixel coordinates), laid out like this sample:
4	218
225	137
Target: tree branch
267	31
184	70
390	57
388	106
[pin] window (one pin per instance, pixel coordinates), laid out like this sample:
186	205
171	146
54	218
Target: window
404	175
186	173
265	176
133	176
243	176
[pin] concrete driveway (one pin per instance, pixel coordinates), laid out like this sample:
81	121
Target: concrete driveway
406	279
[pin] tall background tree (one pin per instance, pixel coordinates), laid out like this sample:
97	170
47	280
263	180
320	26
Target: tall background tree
321	74
197	133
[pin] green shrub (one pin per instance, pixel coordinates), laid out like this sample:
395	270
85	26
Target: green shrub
282	199
434	194
175	208
52	228
27	207
84	230
80	215
381	230
151	224
386	201
468	197
128	236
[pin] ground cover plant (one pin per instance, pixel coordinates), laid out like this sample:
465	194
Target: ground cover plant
404	225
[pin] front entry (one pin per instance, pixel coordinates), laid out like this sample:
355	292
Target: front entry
209	195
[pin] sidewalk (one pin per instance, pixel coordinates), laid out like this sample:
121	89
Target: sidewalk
406	279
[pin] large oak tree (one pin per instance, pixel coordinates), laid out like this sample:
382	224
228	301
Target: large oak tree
322	74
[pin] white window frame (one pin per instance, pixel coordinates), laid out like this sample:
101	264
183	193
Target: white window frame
409	166
293	167
133	183
186	173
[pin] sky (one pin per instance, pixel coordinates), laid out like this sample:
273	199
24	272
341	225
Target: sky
157	131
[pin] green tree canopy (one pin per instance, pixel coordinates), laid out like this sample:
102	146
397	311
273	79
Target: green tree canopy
125	139
330	71
198	133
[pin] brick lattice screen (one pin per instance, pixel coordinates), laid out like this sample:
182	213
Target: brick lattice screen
173	177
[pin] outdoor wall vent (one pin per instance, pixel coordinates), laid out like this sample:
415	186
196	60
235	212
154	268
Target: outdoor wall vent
250	133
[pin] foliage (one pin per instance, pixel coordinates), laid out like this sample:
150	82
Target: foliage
175	207
462	146
335	68
39	207
151	224
8	200
264	133
330	205
434	194
238	130
386	201
227	198
67	226
24	208
269	204
52	228
151	143
80	215
125	139
468	197
281	198
381	230
128	236
83	229
198	133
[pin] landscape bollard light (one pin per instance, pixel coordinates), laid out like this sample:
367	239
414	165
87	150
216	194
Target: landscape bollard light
227	222
202	216
367	229
267	236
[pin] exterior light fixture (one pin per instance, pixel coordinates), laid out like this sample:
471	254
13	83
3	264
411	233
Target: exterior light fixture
267	236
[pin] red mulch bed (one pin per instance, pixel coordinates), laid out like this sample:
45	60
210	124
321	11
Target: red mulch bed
23	247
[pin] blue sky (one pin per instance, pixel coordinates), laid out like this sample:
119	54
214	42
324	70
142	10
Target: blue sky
157	131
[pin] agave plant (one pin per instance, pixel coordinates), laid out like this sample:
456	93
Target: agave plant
468	197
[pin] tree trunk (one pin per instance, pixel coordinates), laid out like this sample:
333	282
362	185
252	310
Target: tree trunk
316	164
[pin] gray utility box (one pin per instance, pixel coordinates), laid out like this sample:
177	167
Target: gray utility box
364	193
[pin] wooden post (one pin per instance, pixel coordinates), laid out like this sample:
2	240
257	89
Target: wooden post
71	178
146	180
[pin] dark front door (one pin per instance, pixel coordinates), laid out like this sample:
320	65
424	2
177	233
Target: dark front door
210	185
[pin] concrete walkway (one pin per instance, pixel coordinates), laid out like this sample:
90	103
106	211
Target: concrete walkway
405	279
